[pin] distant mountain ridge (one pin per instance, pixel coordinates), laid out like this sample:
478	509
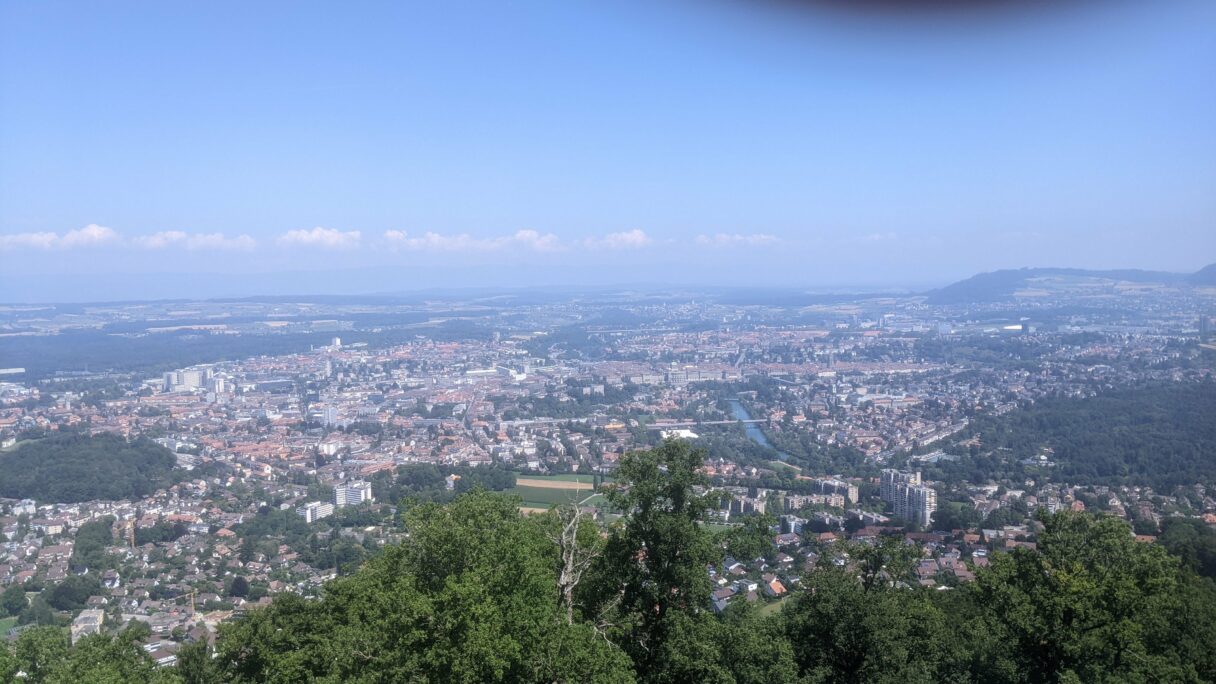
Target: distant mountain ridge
997	285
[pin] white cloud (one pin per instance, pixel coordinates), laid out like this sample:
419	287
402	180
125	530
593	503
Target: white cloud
463	242
329	238
541	242
161	240
879	237
736	239
631	239
35	240
240	242
91	234
204	241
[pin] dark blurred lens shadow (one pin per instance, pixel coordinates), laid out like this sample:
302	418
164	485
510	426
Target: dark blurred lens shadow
912	9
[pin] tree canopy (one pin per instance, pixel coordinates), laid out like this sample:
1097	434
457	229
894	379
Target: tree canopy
71	467
1158	435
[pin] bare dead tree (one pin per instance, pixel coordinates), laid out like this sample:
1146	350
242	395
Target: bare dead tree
576	558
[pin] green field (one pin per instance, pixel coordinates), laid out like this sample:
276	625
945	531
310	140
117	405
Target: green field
544	497
781	465
538	497
6	624
774	607
569	477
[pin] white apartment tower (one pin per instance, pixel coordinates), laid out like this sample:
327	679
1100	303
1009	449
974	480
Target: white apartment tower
314	511
352	493
910	498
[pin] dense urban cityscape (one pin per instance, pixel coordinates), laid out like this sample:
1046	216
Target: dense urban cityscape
830	423
818	342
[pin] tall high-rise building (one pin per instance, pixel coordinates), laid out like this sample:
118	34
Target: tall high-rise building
891	479
352	493
909	497
329	416
919	504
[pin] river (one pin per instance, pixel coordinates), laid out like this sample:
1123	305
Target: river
753	430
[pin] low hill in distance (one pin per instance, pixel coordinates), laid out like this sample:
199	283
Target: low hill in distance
999	285
69	468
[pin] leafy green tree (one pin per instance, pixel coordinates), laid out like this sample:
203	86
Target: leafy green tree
89	547
655	564
1091	604
71	467
37	613
8	663
102	659
13	601
843	631
753	539
887	561
954	517
1193	542
39	650
239	587
136	630
194	664
748	647
472	596
73	592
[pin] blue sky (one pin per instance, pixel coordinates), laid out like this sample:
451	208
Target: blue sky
183	149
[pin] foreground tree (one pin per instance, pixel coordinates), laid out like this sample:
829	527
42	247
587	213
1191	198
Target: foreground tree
653	569
39	650
194	664
473	596
102	659
650	590
1092	605
753	539
847	626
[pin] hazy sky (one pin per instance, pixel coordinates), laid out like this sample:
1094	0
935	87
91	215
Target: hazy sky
166	148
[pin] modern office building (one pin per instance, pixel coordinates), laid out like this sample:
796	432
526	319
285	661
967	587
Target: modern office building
315	510
352	493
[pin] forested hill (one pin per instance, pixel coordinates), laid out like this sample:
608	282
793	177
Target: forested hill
997	285
68	468
1162	436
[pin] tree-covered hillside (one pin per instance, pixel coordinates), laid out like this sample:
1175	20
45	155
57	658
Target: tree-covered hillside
67	468
1162	436
998	285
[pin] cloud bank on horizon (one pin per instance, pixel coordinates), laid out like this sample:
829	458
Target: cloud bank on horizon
95	236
